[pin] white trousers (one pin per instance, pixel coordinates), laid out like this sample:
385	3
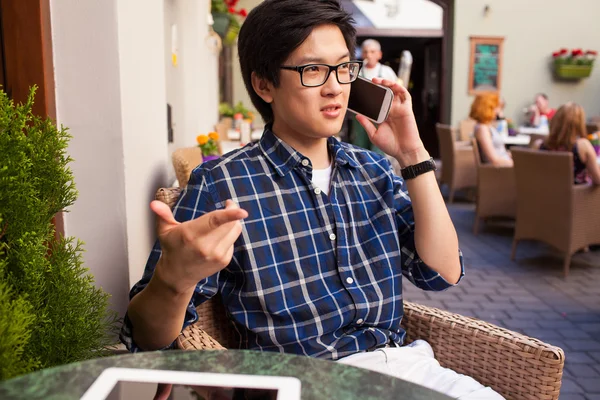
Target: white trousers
416	363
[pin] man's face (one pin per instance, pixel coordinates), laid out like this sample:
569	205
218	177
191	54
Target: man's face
541	103
312	112
371	55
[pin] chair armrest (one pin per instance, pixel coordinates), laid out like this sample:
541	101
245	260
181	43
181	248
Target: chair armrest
497	176
464	156
169	196
194	338
514	365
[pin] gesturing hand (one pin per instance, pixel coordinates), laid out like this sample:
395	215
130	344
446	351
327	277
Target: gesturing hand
196	249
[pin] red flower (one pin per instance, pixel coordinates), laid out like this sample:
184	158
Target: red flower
232	10
243	12
556	54
592	52
563	51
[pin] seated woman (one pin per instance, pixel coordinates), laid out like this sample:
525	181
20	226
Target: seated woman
490	141
568	133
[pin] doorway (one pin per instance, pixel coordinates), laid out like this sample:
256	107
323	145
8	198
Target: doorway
425	84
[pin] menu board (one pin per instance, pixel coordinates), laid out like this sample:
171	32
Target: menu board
485	66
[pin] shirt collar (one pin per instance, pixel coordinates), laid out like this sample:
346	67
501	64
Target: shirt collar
285	158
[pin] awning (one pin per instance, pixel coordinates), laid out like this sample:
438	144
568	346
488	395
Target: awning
412	18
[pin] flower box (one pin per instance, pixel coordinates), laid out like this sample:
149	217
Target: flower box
566	71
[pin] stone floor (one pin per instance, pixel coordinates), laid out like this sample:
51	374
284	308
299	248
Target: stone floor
530	296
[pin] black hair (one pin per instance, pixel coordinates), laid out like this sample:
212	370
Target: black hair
274	29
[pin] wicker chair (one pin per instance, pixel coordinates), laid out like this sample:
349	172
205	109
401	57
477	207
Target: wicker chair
550	208
185	160
466	127
458	164
496	190
516	366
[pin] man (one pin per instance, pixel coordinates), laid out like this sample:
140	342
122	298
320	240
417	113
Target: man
541	108
328	230
371	54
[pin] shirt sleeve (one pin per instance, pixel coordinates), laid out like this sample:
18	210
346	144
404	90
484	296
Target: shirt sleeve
389	74
413	268
195	201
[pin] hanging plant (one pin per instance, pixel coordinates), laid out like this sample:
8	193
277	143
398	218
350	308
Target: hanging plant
227	19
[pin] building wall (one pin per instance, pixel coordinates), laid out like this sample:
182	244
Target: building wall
110	76
88	102
533	30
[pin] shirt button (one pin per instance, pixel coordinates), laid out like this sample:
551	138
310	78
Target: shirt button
332	236
349	281
305	162
359	321
317	191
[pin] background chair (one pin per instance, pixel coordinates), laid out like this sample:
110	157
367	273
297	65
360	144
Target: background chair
185	160
458	164
496	190
515	365
466	128
550	208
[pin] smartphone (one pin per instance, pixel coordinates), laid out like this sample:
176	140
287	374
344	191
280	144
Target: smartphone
371	100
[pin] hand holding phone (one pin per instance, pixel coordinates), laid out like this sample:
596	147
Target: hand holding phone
398	134
370	99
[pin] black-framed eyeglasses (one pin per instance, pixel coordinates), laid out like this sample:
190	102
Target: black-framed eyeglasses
312	75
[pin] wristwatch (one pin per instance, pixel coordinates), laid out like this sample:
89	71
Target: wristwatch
412	171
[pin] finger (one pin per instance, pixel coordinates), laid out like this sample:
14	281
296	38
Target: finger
163	391
397	88
165	218
367	125
221	217
229	204
228	239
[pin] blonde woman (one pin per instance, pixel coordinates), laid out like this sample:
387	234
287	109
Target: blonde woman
490	141
568	133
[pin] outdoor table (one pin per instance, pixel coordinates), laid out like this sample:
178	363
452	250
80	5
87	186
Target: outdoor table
518	140
321	379
528	130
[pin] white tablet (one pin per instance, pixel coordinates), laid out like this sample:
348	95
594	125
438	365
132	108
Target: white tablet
131	383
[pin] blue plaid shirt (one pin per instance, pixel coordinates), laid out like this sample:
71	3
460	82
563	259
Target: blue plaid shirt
311	274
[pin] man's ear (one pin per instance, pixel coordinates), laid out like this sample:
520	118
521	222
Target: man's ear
262	87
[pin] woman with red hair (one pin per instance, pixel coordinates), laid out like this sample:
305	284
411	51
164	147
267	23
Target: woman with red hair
490	142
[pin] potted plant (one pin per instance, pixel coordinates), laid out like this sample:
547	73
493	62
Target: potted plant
209	144
227	19
51	313
574	64
227	111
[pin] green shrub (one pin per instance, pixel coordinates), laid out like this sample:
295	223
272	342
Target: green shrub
52	313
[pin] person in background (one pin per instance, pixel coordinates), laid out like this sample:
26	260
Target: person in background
372	68
540	109
568	133
491	144
501	123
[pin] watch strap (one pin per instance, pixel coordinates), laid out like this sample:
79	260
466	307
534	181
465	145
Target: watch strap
412	171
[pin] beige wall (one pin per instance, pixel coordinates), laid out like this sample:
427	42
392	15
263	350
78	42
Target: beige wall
533	30
89	103
110	74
